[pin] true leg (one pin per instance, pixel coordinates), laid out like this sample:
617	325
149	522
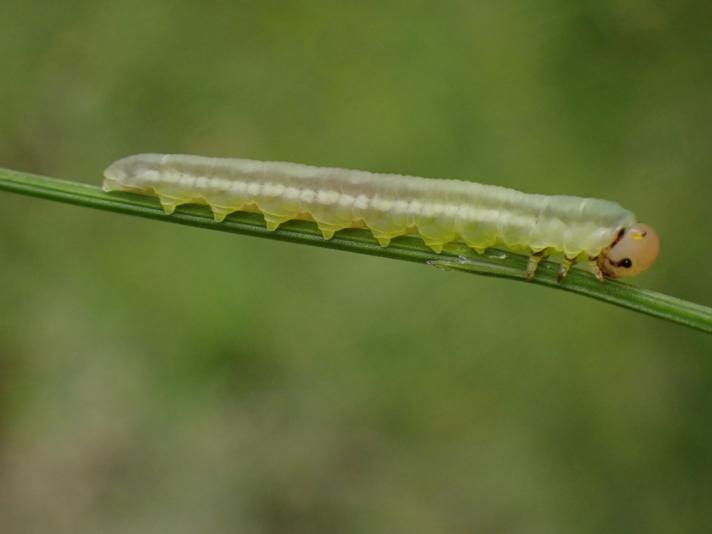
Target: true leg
565	268
596	269
533	264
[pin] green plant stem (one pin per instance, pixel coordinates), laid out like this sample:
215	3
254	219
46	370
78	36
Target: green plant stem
501	264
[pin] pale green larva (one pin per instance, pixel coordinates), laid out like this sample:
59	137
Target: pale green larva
389	205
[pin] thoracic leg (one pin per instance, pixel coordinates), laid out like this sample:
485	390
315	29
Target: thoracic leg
565	268
533	264
596	269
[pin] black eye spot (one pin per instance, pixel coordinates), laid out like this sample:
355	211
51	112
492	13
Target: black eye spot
625	262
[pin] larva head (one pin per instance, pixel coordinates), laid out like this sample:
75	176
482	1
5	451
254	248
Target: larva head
633	253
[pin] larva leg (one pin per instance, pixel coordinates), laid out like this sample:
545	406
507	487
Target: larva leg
533	264
595	269
220	212
436	246
327	230
169	204
382	239
273	221
565	268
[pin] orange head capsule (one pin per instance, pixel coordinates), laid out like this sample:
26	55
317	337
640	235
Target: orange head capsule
633	253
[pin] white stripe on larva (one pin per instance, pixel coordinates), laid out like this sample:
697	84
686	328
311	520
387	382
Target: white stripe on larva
381	204
361	202
346	200
390	205
327	197
307	195
274	190
400	206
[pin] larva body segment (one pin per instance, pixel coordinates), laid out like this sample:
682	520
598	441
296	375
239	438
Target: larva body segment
390	205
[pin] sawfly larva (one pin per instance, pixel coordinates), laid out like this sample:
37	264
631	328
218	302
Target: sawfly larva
389	205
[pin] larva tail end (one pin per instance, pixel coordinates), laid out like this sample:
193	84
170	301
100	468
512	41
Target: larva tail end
384	241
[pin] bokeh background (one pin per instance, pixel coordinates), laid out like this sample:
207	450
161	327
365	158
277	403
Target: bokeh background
158	378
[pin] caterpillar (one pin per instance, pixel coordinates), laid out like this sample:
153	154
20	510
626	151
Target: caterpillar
440	211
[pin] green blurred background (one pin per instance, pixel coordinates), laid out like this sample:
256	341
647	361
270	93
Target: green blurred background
157	378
